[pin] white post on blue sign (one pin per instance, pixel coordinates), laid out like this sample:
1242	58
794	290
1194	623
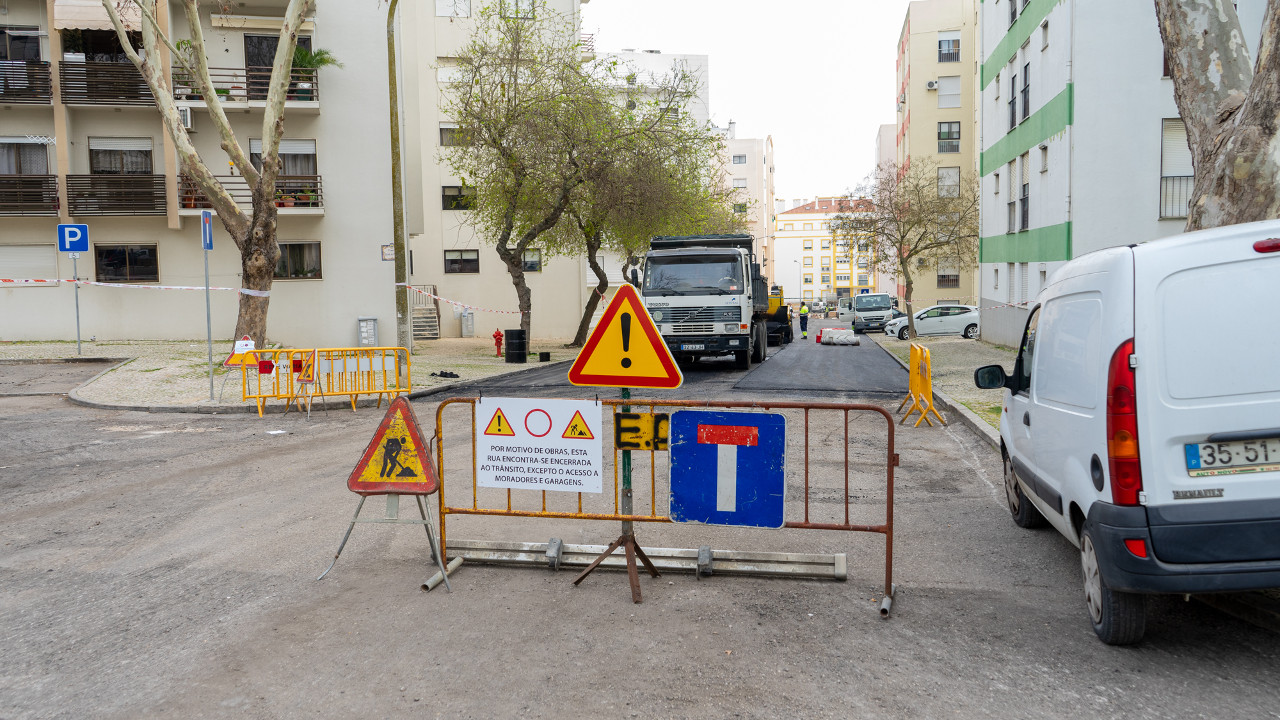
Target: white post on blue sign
206	242
73	240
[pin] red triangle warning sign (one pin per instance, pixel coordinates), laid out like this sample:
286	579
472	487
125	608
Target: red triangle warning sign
578	428
238	355
499	425
397	460
625	349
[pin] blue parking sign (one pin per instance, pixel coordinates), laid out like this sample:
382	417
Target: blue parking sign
73	238
728	468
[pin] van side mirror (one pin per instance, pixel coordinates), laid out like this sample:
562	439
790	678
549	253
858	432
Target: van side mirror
990	377
635	277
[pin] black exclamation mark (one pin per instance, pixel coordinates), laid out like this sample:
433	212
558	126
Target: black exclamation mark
626	338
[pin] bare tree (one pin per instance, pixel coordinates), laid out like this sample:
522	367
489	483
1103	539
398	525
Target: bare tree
254	232
1229	104
911	218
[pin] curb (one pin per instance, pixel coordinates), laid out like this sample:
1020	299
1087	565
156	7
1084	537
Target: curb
979	426
55	361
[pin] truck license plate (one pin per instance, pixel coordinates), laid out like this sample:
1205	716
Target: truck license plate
689	346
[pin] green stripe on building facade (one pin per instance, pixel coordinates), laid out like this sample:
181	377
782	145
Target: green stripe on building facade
1028	20
1043	244
1043	124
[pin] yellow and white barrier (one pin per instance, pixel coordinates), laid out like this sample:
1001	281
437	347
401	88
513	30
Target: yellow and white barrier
292	375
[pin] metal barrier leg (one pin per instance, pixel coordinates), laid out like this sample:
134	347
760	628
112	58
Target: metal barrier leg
344	537
431	540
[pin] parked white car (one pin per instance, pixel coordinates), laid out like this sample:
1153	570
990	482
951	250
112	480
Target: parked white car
939	320
1147	438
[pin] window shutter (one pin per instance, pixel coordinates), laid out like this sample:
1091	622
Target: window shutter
1026	163
107	143
1175	155
287	147
28	262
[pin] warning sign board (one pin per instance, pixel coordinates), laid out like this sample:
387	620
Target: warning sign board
307	373
550	445
237	356
625	349
499	425
397	460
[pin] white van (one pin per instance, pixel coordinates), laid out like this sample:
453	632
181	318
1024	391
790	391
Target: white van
869	311
1142	419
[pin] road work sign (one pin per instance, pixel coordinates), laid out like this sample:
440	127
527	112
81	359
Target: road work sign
536	444
238	356
397	460
728	468
625	349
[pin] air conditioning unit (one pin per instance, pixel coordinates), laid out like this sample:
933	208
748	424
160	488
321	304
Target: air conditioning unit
931	85
184	115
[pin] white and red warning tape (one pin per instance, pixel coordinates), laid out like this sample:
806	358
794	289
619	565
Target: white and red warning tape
455	303
244	291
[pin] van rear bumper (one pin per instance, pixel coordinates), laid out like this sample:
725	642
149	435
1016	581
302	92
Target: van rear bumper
1111	525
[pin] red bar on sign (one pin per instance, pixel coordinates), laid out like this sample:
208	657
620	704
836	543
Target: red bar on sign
728	435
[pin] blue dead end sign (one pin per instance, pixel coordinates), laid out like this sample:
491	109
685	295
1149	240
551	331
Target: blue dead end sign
728	468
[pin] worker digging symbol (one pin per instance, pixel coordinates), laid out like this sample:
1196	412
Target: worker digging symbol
391	459
626	338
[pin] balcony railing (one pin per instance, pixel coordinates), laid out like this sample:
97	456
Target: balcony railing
28	195
252	83
1175	196
948	55
116	194
587	42
103	83
25	82
292	191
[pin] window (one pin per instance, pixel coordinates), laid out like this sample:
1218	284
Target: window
297	155
997	184
949	91
1013	196
453	8
739	159
826	279
19	43
739	182
533	261
29	261
1013	100
826	264
808	294
1176	178
740	208
948	182
522	9
995	278
949	46
808	279
120	156
808	262
126	263
997	86
462	261
1044	34
842	278
23	158
808	226
1044	158
842	260
1025	200
789	226
1013	11
826	243
864	246
455	197
451	136
862	279
948	137
299	260
862	263
948	276
808	244
1026	358
1008	278
448	75
1026	90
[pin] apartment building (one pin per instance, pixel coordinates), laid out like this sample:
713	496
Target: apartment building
748	168
1082	144
81	141
809	264
936	118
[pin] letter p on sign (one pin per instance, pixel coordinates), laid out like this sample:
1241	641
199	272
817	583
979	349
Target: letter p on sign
73	238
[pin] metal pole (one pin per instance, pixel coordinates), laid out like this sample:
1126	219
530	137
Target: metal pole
75	273
403	335
208	318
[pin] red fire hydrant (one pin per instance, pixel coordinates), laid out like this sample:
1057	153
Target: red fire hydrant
497	341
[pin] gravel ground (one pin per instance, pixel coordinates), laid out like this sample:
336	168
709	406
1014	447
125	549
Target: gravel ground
954	360
175	373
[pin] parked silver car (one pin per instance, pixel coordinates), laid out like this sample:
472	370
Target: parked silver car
939	320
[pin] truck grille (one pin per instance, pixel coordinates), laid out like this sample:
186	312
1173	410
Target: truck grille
693	329
731	313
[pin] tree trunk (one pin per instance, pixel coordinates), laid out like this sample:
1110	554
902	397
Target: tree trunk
259	254
514	260
906	300
584	325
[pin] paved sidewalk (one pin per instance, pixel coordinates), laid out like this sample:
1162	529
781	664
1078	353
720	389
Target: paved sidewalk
954	360
174	375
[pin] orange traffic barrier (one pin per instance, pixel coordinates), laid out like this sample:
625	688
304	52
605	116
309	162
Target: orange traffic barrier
292	375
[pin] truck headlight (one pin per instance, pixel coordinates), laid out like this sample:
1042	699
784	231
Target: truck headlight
731	327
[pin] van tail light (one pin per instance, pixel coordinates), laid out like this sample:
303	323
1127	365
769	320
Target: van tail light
1122	428
1268	245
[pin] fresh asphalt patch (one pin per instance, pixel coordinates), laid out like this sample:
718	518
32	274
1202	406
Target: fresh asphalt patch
47	378
806	365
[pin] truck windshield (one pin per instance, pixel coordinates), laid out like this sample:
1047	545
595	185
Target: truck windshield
873	302
693	275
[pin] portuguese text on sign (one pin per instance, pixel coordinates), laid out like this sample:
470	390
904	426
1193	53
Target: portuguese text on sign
537	444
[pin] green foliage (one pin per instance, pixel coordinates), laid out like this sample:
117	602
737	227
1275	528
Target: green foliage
311	59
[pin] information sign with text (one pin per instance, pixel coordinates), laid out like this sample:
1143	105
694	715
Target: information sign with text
537	444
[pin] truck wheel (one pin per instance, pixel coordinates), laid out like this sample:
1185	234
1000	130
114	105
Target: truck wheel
758	348
787	336
1119	618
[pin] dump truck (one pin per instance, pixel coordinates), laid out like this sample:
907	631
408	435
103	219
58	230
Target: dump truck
707	296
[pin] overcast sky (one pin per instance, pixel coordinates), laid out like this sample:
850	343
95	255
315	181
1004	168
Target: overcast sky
817	75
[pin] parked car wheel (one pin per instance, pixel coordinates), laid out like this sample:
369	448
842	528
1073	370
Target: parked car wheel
971	332
903	333
1119	618
1025	515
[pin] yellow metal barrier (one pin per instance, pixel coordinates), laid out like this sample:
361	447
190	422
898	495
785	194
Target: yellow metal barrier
920	387
292	375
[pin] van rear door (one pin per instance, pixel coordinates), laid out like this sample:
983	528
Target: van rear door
1207	317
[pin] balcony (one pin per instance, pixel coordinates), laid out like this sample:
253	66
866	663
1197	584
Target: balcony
28	195
1175	196
25	82
116	194
295	194
248	87
103	83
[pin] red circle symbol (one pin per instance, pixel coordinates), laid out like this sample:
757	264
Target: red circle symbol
530	430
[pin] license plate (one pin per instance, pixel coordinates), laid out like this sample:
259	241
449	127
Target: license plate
1229	458
693	347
